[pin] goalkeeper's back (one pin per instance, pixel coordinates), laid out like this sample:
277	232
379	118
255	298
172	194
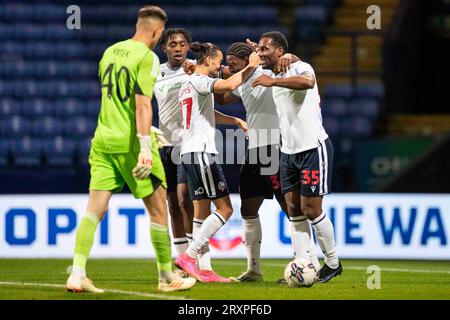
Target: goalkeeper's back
127	68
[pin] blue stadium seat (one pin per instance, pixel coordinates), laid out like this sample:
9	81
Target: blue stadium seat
311	15
50	12
59	151
79	127
28	88
338	91
26	151
335	107
6	88
365	107
357	126
11	48
69	108
308	34
321	3
69	50
39	49
331	125
83	149
9	107
93	107
7	32
4	150
37	108
47	127
372	90
78	70
15	126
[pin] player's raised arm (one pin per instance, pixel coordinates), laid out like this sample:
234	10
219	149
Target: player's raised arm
221	86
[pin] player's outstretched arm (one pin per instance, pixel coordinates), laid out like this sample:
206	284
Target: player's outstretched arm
229	120
143	122
302	82
222	86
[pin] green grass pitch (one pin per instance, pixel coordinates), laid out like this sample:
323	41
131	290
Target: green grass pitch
136	279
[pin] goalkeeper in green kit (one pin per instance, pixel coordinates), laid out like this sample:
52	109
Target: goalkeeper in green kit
125	149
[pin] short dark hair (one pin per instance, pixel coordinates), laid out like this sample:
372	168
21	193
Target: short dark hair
240	50
152	12
277	38
203	50
171	31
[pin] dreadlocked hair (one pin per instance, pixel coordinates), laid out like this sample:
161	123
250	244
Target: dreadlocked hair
203	50
240	50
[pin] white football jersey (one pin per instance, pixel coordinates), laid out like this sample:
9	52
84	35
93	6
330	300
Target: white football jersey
196	99
167	85
262	117
299	113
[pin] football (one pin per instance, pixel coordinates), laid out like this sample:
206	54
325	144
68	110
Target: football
300	273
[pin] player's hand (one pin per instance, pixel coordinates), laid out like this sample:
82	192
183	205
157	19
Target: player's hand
284	63
241	124
189	67
252	44
254	60
145	161
264	81
160	137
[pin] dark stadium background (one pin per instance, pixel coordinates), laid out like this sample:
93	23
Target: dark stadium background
384	92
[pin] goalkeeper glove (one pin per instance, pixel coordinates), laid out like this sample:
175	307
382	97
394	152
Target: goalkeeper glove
160	137
145	162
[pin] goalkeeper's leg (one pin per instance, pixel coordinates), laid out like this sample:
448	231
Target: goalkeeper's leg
96	209
159	233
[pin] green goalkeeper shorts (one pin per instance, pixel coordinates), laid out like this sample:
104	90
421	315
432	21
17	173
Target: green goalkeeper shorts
110	171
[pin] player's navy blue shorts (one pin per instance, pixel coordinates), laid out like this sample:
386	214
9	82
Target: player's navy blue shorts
260	173
308	172
175	173
204	176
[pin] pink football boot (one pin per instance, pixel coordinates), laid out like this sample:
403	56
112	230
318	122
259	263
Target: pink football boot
211	276
189	265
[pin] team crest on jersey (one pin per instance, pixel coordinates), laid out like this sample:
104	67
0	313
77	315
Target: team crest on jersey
163	74
221	186
229	236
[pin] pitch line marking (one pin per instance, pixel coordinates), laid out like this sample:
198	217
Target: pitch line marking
130	293
354	268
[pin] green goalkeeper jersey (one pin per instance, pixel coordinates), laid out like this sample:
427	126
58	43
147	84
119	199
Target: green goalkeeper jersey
127	68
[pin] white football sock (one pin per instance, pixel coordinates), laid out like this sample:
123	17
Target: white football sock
252	243
300	237
204	257
189	237
313	252
325	236
210	226
180	244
